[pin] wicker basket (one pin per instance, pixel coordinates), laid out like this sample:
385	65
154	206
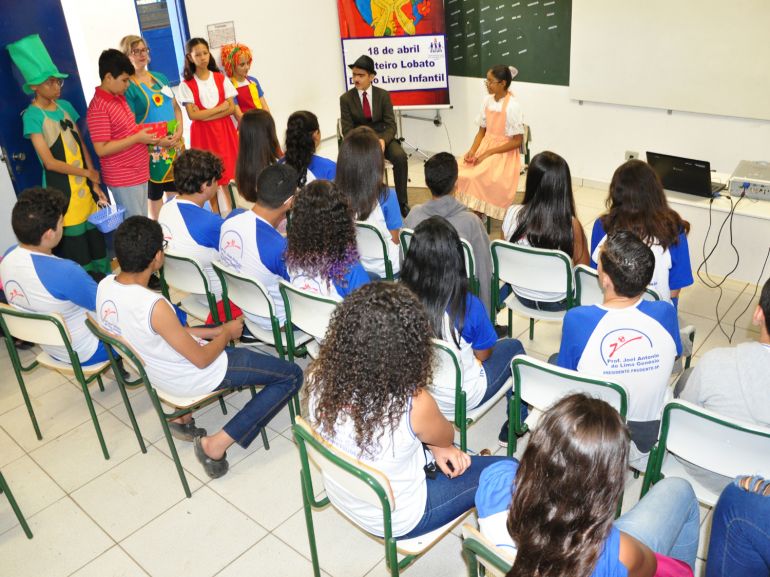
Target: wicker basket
108	219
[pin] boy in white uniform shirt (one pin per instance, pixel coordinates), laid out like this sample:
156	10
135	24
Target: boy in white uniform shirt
626	339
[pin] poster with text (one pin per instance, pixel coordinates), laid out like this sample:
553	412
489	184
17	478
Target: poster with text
407	41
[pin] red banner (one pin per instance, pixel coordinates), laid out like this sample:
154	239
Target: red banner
407	41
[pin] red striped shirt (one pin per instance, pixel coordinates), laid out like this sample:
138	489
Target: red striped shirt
110	118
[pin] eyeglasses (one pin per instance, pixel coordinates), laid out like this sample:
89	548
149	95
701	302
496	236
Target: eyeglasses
165	244
54	82
488	82
140	51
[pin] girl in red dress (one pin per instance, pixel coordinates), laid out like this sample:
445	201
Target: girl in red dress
208	98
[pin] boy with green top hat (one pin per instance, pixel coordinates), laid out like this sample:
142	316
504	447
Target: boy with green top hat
50	123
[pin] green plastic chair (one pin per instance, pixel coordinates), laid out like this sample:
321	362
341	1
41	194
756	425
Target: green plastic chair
708	440
187	275
540	385
482	557
180	405
535	269
448	371
372	244
470	261
4	488
365	483
310	313
251	296
49	329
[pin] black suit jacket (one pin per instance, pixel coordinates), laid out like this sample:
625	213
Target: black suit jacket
383	120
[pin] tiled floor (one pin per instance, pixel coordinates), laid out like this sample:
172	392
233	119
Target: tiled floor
128	516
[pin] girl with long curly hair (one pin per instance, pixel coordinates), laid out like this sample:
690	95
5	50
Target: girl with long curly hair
303	135
321	256
368	398
360	167
258	149
636	202
547	219
434	269
565	494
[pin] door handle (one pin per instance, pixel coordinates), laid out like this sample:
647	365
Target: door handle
19	156
4	158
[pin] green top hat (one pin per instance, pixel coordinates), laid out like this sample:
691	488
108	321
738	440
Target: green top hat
34	62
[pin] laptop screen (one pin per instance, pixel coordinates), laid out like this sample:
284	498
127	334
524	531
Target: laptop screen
682	174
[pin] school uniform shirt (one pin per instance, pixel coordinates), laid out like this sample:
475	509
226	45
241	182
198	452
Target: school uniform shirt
672	265
635	346
399	455
478	334
193	232
385	216
126	310
354	277
42	283
320	168
250	245
110	118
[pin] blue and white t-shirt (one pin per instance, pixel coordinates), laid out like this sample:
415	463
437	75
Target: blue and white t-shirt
320	168
478	334
672	265
193	232
43	283
635	346
385	216
250	245
355	277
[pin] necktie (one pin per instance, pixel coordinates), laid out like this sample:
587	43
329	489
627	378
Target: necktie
367	108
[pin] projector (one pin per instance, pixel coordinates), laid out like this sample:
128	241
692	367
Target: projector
752	178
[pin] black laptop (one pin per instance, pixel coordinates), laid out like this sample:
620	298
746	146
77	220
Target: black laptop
684	174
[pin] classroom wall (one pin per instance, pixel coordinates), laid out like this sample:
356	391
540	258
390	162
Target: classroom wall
299	43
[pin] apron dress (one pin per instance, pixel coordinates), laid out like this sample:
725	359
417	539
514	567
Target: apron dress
489	187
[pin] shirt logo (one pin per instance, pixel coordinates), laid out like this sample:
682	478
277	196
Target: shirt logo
15	294
108	317
628	351
231	249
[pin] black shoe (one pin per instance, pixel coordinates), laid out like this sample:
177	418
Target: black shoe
502	332
247	338
22	345
122	369
214	468
186	432
154	284
502	438
404	210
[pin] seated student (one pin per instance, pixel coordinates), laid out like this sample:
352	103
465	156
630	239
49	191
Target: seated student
561	516
190	229
36	280
547	219
250	242
734	382
303	136
359	177
434	269
626	339
381	413
441	179
321	254
637	203
740	531
178	360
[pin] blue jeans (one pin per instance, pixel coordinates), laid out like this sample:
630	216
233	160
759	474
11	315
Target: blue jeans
132	198
666	520
450	498
280	381
740	533
498	370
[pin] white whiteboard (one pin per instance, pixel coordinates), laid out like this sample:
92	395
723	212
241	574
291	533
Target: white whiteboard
296	49
707	56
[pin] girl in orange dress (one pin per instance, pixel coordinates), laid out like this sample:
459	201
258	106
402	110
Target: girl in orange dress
489	173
